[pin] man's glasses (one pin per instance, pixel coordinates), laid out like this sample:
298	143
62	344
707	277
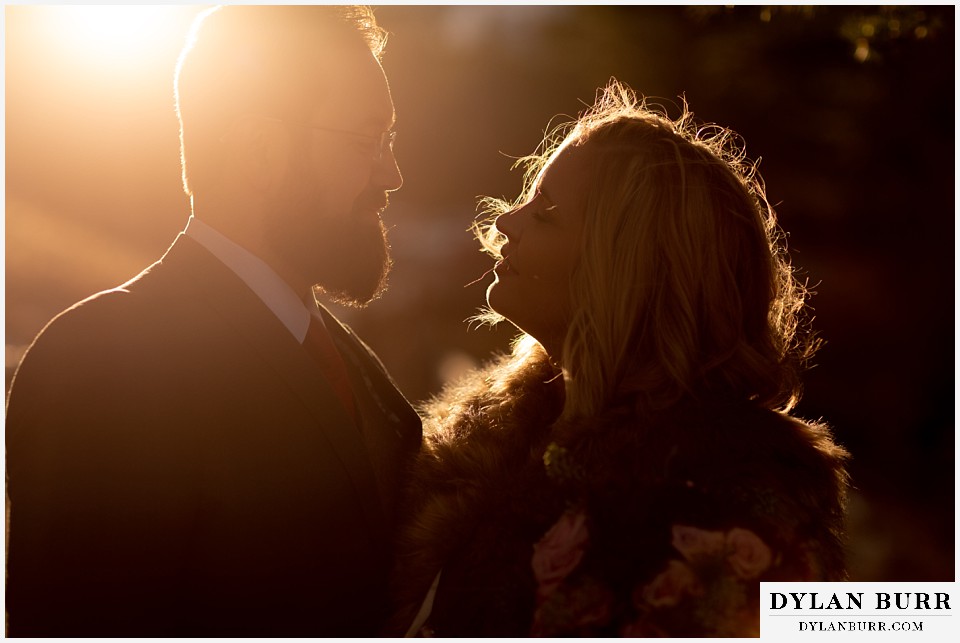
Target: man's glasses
378	143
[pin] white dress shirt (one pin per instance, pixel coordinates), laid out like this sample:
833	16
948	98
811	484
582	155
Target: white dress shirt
261	278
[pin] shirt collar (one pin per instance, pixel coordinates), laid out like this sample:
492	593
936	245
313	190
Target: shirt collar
275	293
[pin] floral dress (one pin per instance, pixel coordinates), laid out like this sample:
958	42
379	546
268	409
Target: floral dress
710	587
681	551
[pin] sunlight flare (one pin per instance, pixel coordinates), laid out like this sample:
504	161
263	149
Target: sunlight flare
117	33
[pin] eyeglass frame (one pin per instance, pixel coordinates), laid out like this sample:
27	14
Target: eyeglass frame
386	138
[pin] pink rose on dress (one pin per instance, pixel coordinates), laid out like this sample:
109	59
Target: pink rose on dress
670	586
749	556
559	551
697	543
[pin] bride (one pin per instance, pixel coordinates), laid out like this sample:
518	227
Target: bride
631	468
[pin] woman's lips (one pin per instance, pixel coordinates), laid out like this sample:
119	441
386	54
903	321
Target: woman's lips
504	267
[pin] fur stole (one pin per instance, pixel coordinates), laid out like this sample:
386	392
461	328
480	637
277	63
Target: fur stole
492	423
481	494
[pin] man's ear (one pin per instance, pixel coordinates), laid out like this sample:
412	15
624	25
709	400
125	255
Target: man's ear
258	148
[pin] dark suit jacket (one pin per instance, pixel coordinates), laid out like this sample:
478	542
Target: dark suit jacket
177	465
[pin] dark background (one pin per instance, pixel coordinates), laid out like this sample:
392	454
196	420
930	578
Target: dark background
851	108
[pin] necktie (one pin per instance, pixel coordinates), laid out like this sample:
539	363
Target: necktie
320	346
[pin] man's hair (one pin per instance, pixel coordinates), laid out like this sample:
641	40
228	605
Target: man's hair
246	59
683	286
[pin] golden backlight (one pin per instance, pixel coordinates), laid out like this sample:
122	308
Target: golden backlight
120	33
92	157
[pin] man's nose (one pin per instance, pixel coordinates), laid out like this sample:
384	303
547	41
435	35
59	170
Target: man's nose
387	172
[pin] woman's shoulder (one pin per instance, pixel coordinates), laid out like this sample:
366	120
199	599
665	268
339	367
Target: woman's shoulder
715	467
717	443
744	441
722	462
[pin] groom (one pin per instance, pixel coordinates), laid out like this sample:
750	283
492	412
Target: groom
204	450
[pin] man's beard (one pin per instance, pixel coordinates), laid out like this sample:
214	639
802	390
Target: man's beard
346	255
356	258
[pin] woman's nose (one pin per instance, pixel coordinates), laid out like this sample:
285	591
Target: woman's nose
507	223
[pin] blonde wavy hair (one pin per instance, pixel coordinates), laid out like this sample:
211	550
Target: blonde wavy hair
683	286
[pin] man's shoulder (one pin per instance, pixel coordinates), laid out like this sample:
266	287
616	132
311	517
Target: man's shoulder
166	293
88	322
111	324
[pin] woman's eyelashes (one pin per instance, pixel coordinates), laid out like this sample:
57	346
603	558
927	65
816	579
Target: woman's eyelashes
544	209
542	214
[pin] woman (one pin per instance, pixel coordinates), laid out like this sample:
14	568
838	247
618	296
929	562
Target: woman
631	468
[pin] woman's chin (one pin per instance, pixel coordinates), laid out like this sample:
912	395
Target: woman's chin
491	290
495	297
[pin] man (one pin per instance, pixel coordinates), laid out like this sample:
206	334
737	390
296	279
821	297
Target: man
205	451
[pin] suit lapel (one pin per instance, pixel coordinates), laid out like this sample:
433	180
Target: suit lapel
391	402
251	319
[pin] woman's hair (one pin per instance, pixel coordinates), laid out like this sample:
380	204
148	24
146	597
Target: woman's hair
269	59
683	286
